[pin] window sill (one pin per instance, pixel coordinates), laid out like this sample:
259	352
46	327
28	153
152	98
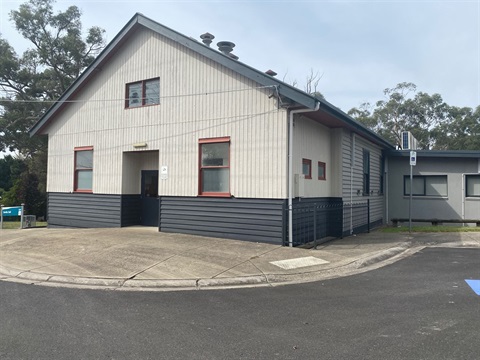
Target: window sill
472	198
224	195
140	106
426	197
83	191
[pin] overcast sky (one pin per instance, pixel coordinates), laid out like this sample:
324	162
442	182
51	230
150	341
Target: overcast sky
358	47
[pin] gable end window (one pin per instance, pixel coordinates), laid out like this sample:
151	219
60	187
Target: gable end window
472	187
83	176
307	168
214	177
143	93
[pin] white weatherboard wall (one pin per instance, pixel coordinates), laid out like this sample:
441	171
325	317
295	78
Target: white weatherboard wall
199	99
313	141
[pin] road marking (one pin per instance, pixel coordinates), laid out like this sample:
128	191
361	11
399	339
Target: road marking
475	285
299	262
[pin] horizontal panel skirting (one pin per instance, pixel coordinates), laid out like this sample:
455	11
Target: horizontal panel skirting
259	220
92	210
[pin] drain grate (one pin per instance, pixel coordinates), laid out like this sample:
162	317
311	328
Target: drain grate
299	262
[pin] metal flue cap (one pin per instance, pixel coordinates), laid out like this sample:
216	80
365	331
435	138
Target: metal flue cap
207	38
225	47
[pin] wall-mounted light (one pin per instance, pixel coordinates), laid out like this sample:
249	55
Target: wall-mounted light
140	145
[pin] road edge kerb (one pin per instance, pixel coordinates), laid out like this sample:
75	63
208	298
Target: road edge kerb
206	283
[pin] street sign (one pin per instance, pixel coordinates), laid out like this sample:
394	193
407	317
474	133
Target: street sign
413	158
12	211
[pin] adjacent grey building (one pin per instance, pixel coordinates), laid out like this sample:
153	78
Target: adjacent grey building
446	185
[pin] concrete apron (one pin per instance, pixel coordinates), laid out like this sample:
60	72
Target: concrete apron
141	258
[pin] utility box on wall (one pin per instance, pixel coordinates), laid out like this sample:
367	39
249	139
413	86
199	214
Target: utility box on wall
299	185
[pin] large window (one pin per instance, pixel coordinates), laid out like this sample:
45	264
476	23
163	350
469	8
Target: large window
366	172
429	185
215	166
83	177
307	168
472	185
142	93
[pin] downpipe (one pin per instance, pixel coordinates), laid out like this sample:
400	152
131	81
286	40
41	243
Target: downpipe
290	168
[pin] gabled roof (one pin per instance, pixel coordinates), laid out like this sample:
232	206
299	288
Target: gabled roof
297	97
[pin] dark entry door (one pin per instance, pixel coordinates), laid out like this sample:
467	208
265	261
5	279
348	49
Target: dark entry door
150	203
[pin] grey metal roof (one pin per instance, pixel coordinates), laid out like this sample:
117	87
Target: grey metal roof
437	153
298	97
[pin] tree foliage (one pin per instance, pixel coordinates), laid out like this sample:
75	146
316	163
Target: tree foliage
435	124
31	82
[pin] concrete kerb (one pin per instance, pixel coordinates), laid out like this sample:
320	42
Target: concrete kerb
343	269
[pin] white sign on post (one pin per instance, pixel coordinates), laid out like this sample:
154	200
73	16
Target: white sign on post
413	158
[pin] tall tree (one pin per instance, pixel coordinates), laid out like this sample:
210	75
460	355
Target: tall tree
33	81
405	110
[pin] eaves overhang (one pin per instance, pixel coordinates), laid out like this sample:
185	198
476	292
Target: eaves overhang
436	153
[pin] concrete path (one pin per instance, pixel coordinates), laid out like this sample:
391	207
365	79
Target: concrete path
141	258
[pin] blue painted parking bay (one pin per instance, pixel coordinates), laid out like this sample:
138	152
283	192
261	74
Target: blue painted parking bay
475	285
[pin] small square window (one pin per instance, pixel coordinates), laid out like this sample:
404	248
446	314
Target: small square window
322	171
143	93
307	168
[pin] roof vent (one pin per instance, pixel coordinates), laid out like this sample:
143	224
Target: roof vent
271	73
226	47
207	38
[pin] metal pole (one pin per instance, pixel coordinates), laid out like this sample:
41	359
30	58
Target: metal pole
410	202
314	226
21	216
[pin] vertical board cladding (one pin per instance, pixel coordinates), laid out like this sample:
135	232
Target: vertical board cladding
353	175
312	141
259	220
198	99
84	210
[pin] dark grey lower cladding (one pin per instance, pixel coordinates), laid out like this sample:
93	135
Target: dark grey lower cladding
92	210
259	220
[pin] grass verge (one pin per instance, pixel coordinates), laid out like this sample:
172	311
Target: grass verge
431	228
8	225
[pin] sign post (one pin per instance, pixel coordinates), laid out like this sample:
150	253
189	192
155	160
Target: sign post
413	162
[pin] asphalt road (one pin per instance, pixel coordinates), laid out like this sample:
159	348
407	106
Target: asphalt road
418	308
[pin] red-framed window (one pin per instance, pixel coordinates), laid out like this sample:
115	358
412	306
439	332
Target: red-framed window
307	168
83	174
142	93
214	166
322	171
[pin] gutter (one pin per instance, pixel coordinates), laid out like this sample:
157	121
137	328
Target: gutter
290	168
